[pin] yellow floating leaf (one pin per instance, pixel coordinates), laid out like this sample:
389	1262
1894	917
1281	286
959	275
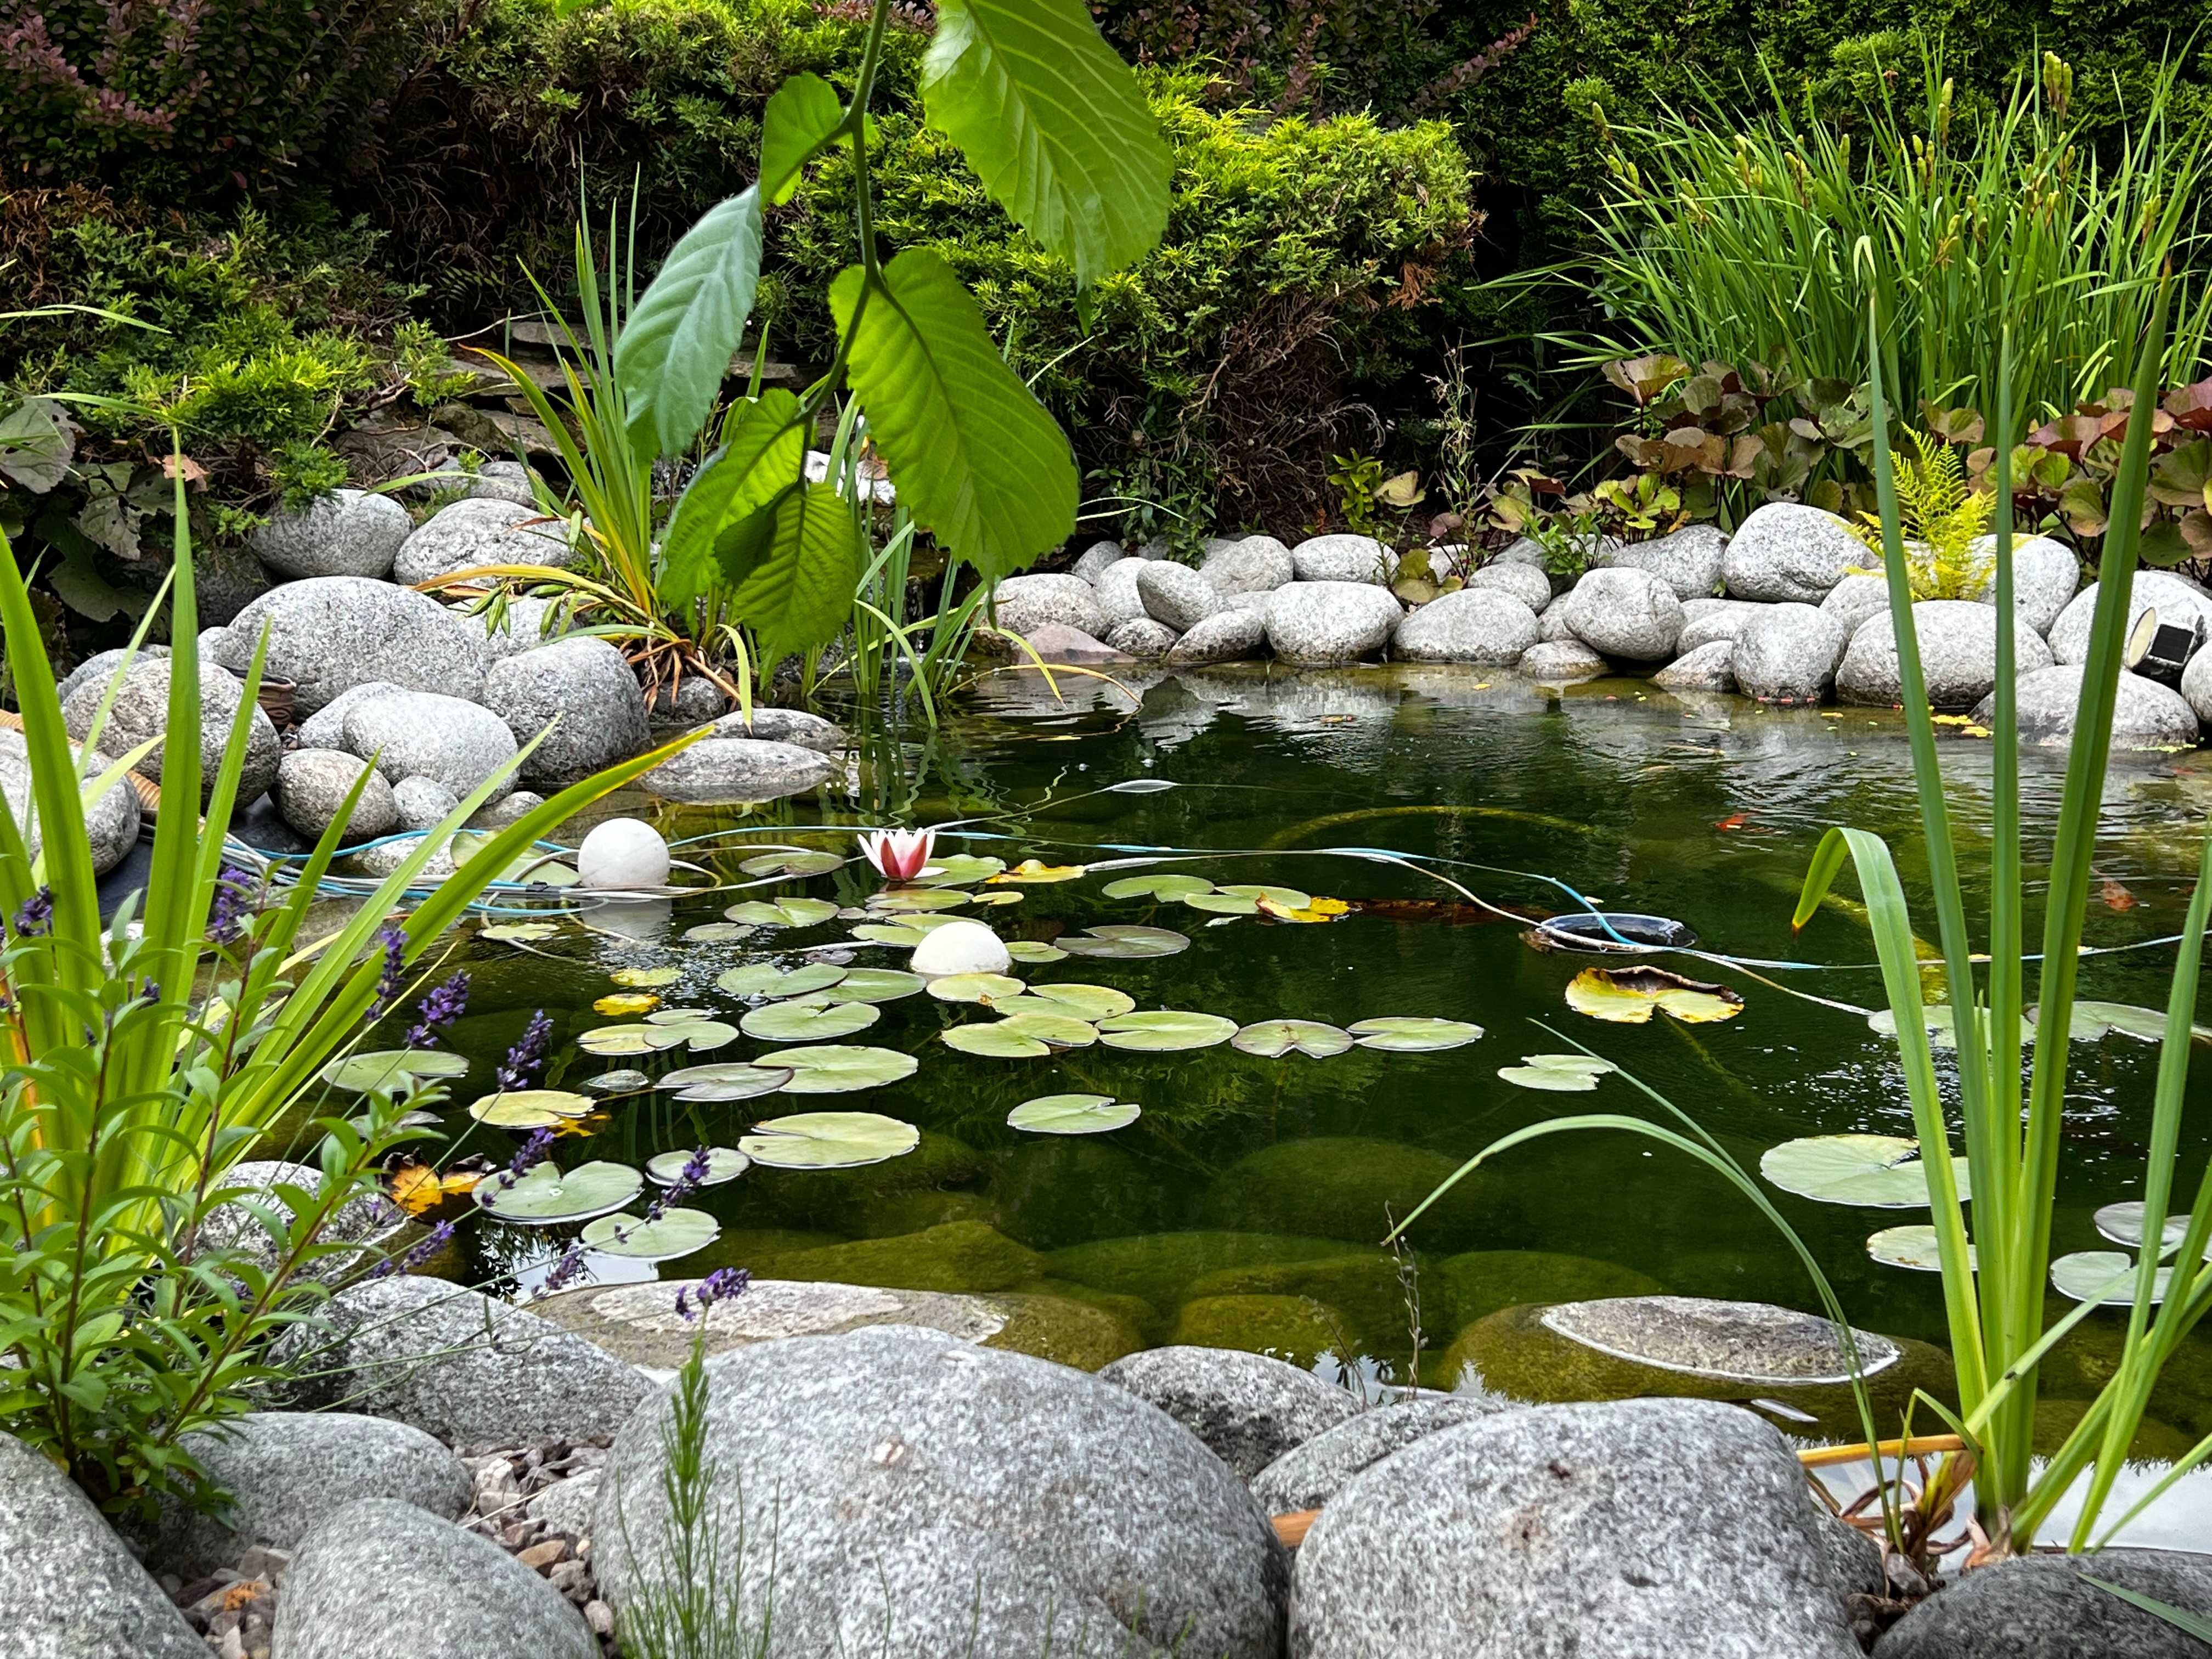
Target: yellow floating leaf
581	1126
638	978
1033	870
417	1188
627	1002
1974	732
1321	909
1629	996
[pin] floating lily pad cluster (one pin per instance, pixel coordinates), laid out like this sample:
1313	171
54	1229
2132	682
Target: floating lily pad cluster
1874	1172
1236	899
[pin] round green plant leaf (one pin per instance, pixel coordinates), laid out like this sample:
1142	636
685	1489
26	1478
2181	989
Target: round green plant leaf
792	861
1271	1039
1288	898
830	1069
872	985
665	1236
958	870
1565	1074
1057	1030
906	933
624	1081
997	895
1033	950
517	932
1940	1022
782	913
899	900
679	1016
1125	943
645	978
1158	887
1913	1247
1165	1028
2093	1020
703	1035
829	1140
998	1039
1881	1172
387	1069
802	1022
717	932
2107	1277
765	979
546	1196
723	1164
1073	1115
638	1038
529	1109
2123	1224
1222	903
1092	1002
1411	1035
986	988
725	1081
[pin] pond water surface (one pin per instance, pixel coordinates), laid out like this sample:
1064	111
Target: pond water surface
1246	1204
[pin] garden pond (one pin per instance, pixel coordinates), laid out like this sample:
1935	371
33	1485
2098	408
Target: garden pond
1407	825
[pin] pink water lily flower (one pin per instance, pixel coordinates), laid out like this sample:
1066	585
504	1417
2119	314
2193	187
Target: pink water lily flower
898	854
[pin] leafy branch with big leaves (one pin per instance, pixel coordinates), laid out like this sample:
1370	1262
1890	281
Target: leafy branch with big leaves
1057	130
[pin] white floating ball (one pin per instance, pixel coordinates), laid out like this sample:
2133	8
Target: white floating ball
623	852
961	947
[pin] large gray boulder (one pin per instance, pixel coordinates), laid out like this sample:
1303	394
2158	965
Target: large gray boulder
329	633
348	533
1789	654
425	803
1142	637
526	623
325	727
1704	621
1312	623
141	711
71	1588
734	770
1525	582
1227	635
1313	1471
1249	1408
2042	1607
467	1368
1688	561
102	666
421	734
111	823
1957	654
1176	594
1783	551
580	693
2196	686
2045	574
1118	600
1625	613
1257	564
1855	598
481	531
282	1472
1095	559
312	785
1021	603
791	726
1341	558
382	1579
919	1495
1629	1529
2176	598
1484	625
1555	662
2146	716
1710	667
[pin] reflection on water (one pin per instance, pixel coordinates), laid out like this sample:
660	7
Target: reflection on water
1247	1204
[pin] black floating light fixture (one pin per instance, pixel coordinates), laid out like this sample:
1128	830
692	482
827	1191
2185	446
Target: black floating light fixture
2158	650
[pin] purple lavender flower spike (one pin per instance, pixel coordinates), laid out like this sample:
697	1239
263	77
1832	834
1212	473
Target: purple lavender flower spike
36	915
534	1151
520	1067
445	1003
395	970
228	912
721	1285
569	1267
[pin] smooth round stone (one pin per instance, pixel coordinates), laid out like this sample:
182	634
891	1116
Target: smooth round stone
1314	1471
1688	561
2176	599
526	624
1117	597
1095	558
312	785
141	711
1021	603
730	770
1556	662
1176	594
1247	1407
1855	598
424	803
793	726
1783	551
1525	582
1482	625
1227	635
329	633
639	1324
1726	1341
480	532
623	854
1056	642
960	947
2042	1607
2045	575
111	823
421	734
1256	564
1341	557
1629	614
1704	621
1957	654
579	698
1316	622
1141	637
1708	668
348	533
2146	716
1787	653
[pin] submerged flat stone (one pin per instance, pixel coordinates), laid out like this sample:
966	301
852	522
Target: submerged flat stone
1726	1341
639	1323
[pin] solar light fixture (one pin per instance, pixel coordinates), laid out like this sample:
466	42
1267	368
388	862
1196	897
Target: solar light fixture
2160	650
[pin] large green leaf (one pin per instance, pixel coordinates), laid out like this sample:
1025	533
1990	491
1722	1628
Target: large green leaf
1054	124
973	453
762	453
799	592
805	112
676	348
829	1140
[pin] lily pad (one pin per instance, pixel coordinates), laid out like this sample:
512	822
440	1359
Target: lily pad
717	932
627	1002
1073	1115
800	1022
1271	1039
831	1069
1031	950
2091	1276
782	913
904	900
618	1083
1035	872
1124	942
2093	1020
1566	1074
663	1238
975	987
905	932
679	1016
1092	1002
517	932
1057	1030
959	870
1913	1246
872	985
1941	1021
1882	1172
829	1140
999	1039
1629	996
2123	1224
546	1196
1413	1035
1290	898
1165	1028
388	1068
1223	904
790	861
995	897
1157	887
645	978
723	1164
529	1109
765	979
726	1080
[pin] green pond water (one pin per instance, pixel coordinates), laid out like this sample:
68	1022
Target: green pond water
1245	1206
